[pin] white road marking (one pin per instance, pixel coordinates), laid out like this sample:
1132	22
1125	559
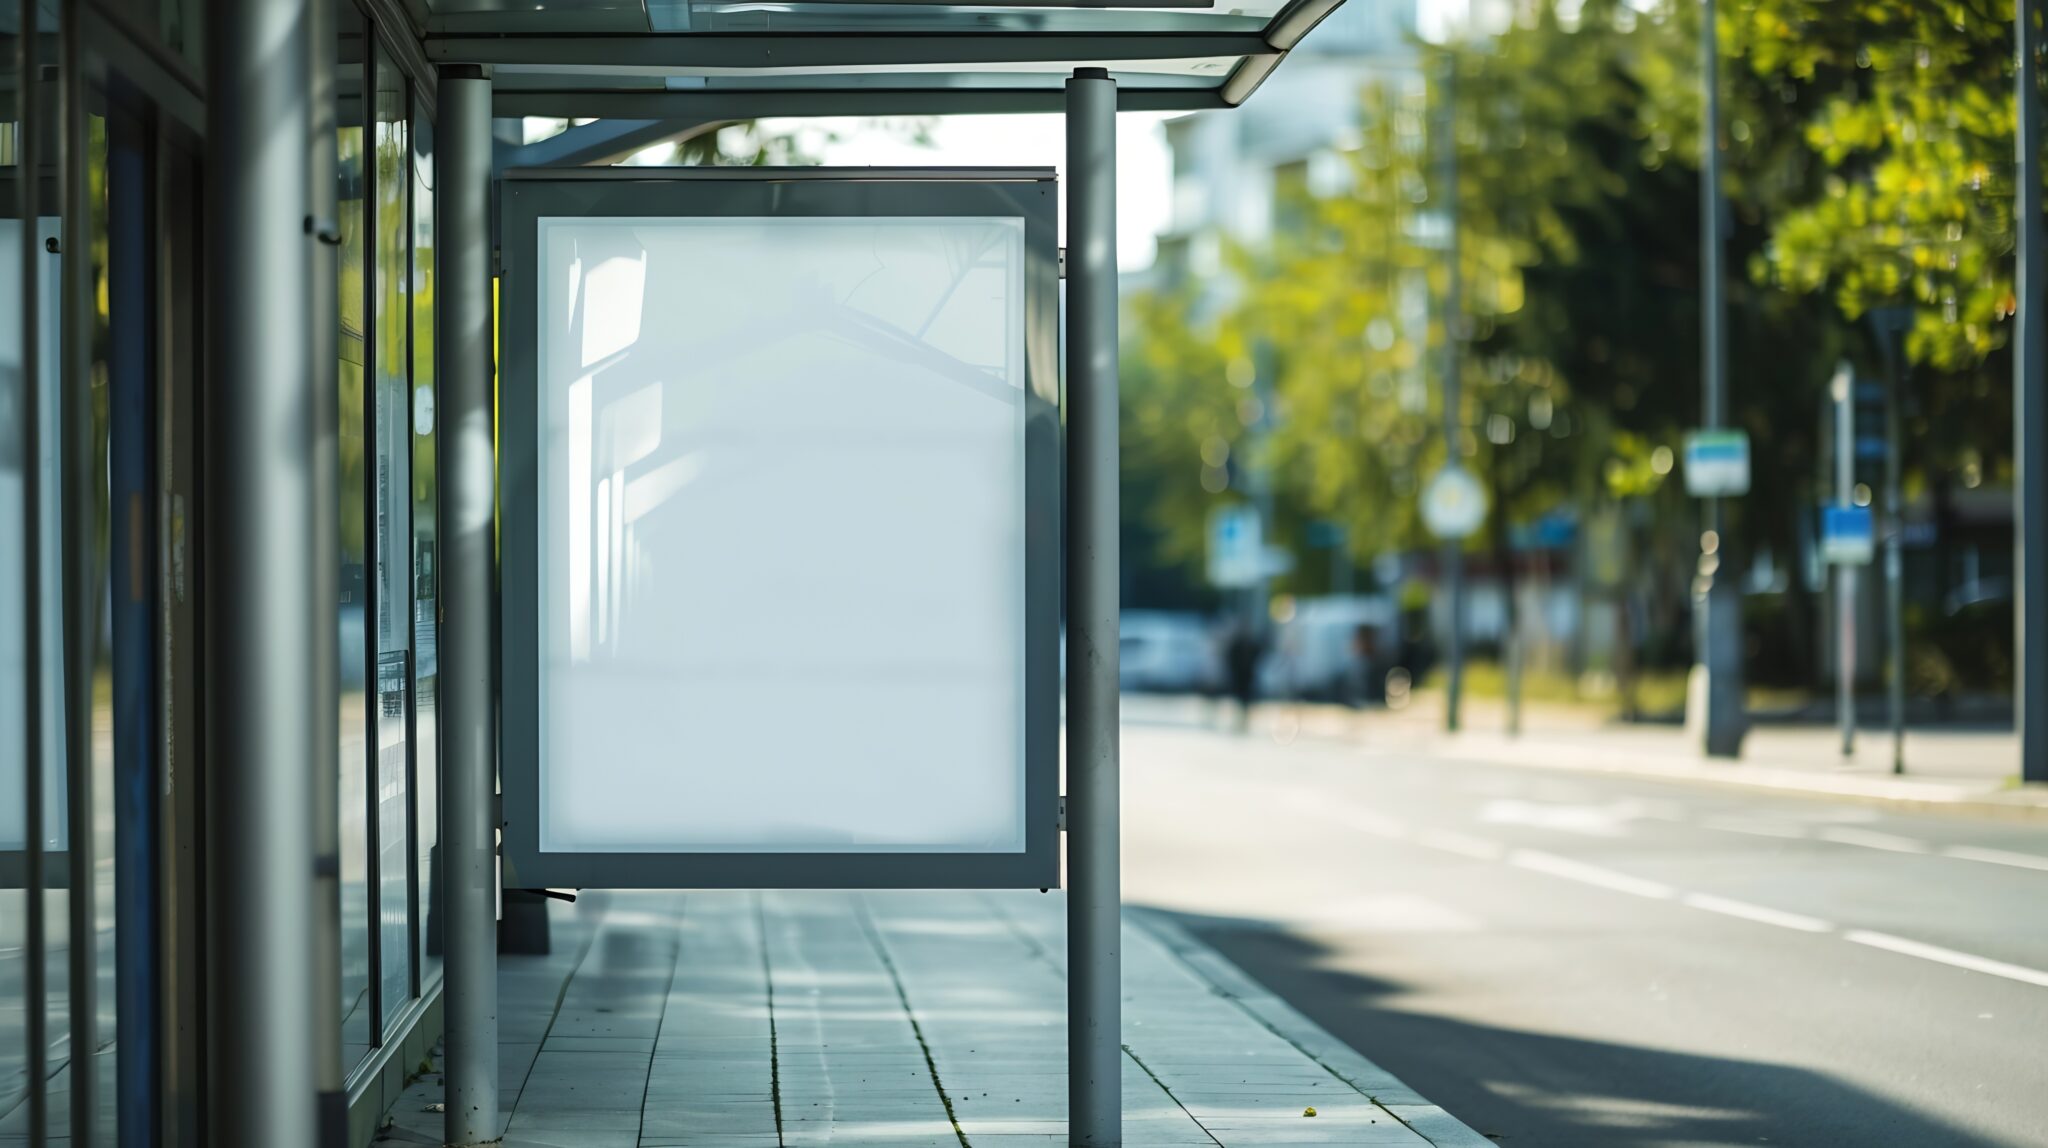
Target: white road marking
1609	820
1363	820
1996	857
1373	823
1463	844
1758	913
1927	952
1583	873
1871	839
1537	861
1753	828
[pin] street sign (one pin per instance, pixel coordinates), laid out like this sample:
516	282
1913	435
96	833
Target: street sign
1235	543
1238	554
1847	536
1717	463
1453	503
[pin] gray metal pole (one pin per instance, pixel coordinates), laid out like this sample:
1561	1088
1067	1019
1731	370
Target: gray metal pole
1258	598
2030	419
1894	560
1713	319
1718	634
1452	393
266	523
1514	675
1094	888
1845	574
76	456
325	654
469	723
28	158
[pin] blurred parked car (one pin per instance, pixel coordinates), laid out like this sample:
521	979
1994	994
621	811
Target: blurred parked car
1332	649
1162	651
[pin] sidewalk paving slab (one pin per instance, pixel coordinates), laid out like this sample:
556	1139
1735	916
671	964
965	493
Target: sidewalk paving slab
896	1020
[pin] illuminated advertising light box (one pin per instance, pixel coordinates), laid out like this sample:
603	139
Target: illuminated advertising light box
780	462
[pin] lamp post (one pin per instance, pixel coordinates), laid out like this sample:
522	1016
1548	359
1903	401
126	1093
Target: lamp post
1717	601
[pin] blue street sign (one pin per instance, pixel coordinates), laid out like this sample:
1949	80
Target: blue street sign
1848	535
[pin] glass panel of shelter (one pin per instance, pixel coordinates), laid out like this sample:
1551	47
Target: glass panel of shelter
390	515
352	63
387	612
102	501
425	574
22	247
384	271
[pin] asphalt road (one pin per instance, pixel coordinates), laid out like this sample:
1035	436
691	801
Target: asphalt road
1592	961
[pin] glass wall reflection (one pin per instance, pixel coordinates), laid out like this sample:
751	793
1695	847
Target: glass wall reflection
391	536
18	241
425	558
351	68
113	700
96	587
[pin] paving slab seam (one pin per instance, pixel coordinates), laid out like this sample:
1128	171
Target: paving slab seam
682	909
768	984
1402	1103
1023	936
589	942
867	923
1161	1085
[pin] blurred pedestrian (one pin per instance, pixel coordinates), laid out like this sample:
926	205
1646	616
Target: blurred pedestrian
1360	668
1241	661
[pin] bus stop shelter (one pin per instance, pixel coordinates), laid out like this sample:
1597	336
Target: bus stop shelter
250	89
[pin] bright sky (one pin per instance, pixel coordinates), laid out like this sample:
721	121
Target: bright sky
1144	167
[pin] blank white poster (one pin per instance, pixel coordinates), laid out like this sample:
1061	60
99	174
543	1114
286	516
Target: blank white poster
782	534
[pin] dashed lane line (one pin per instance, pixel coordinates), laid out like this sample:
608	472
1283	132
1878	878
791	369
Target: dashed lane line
1996	857
1763	915
1871	839
1550	864
1927	952
1537	861
1463	844
1541	862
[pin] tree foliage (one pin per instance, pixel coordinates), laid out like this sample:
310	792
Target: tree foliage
1867	164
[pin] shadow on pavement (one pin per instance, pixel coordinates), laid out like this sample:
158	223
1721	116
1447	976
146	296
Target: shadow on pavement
1531	1090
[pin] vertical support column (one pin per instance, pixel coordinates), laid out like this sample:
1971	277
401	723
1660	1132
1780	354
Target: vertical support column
78	511
266	523
1894	539
35	755
1452	391
468	717
1094	885
1717	600
330	1074
1845	574
2030	418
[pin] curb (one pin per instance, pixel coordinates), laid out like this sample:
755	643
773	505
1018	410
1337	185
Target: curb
1905	794
1342	1061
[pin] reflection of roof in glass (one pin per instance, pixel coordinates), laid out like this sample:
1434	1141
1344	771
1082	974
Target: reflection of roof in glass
715	59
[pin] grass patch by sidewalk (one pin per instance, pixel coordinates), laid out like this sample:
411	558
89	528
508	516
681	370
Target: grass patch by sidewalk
1659	694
